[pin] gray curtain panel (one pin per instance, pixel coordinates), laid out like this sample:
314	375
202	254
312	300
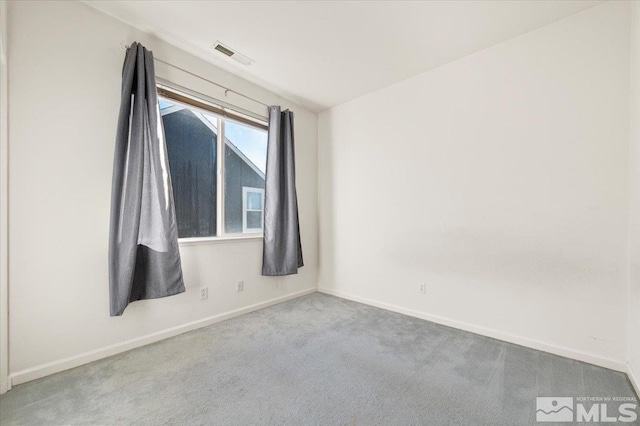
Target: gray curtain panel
282	249
144	260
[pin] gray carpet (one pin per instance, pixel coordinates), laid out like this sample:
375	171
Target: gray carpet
316	360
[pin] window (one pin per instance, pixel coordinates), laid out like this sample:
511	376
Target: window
252	209
206	204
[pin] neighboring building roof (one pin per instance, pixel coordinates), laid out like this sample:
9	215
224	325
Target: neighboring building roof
175	108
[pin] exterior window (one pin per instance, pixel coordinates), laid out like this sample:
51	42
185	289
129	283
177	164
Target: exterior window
252	209
206	205
245	162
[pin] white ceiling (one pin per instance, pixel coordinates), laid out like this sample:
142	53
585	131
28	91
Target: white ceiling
324	53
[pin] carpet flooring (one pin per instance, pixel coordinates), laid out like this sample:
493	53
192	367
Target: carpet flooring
315	360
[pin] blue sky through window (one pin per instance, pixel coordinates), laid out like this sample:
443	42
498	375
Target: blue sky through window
164	104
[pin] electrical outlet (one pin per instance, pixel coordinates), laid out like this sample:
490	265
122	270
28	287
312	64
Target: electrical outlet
240	286
423	288
204	293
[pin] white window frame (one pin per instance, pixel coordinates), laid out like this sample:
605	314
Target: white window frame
247	233
246	190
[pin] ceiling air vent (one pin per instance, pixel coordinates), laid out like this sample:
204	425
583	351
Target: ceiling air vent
226	50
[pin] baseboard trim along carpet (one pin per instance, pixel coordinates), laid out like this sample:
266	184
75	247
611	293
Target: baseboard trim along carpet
634	379
47	369
495	334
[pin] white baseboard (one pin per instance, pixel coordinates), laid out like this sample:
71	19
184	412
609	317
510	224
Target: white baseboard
495	334
107	351
635	380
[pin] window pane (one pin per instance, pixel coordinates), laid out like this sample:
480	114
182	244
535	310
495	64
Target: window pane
191	139
250	141
254	220
254	201
245	162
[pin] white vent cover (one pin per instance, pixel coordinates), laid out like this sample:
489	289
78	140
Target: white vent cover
227	51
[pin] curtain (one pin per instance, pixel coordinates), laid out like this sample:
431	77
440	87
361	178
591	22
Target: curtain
144	260
282	249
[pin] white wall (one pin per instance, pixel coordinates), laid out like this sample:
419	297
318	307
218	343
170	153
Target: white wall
4	259
501	181
64	80
634	242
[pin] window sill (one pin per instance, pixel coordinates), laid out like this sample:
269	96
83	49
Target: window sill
183	242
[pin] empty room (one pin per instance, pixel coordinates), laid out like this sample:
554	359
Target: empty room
319	212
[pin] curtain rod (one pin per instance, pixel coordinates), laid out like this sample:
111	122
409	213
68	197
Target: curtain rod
226	89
